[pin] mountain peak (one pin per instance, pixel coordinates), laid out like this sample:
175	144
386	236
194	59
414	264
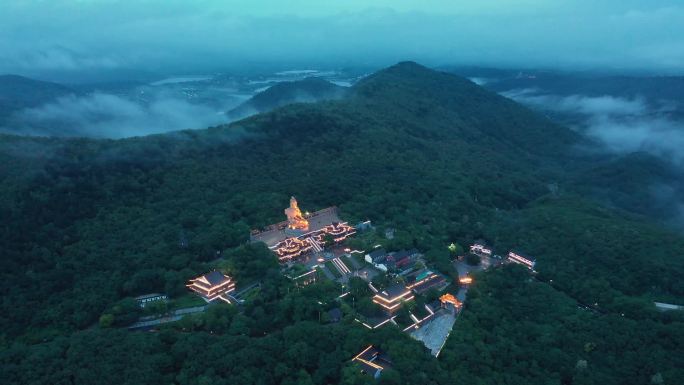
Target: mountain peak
405	67
410	75
423	94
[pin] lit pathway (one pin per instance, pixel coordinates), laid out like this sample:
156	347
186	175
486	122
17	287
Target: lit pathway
341	267
146	322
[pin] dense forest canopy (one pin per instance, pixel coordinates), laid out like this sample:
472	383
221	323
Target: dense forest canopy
89	224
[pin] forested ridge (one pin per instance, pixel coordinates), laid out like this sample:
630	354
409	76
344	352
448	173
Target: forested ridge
307	90
89	224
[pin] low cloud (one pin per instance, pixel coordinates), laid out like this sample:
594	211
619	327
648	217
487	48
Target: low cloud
589	105
480	81
658	136
60	58
101	115
622	125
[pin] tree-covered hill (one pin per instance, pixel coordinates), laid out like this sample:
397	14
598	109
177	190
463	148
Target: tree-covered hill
90	223
308	90
18	92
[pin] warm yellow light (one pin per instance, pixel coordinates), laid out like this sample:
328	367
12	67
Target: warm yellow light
450	298
466	280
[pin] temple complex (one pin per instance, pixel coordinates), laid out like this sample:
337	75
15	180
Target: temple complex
303	233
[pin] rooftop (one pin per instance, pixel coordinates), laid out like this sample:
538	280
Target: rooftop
153	295
404	253
393	291
215	278
521	254
377	253
372	360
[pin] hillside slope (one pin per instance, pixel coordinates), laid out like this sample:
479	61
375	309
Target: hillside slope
18	92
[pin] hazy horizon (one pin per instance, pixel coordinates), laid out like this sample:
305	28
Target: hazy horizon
101	40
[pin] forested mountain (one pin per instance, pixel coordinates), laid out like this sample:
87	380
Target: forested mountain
18	92
308	90
89	224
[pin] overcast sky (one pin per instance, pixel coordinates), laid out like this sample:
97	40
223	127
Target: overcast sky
53	37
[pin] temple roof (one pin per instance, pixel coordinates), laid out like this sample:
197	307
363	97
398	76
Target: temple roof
405	253
372	360
211	279
393	291
521	254
377	253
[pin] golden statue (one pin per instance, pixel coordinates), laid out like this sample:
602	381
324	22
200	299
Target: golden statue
294	217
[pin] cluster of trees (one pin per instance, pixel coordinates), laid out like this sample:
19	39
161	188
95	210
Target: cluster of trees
515	330
279	337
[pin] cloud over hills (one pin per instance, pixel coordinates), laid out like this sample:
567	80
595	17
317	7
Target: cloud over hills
110	116
172	35
621	124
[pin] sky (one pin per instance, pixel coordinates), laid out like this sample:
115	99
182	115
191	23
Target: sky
59	38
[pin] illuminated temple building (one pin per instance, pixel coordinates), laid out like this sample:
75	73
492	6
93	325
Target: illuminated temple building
424	280
450	302
303	233
391	298
481	249
372	361
522	259
212	286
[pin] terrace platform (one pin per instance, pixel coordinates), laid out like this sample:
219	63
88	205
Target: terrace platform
435	333
278	232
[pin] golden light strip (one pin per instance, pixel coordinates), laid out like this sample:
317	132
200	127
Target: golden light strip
370	363
394	299
393	306
364	351
428	278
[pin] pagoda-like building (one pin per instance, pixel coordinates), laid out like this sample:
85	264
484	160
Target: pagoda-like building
212	285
